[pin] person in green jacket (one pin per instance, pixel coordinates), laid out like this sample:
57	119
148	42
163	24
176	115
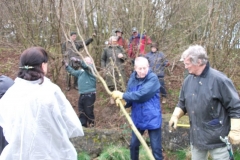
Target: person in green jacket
86	88
68	51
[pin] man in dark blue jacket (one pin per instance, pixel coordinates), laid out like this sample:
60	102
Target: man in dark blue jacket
143	95
158	62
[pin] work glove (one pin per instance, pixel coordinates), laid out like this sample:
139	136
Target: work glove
117	94
64	63
177	113
74	59
123	102
234	134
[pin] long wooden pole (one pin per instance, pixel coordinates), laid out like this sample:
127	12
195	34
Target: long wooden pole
118	101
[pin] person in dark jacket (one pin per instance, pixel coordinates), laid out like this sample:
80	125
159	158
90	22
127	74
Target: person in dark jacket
68	51
212	103
143	96
86	88
158	62
5	83
115	69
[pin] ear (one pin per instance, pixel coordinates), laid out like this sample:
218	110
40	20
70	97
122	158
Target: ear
199	62
44	68
135	68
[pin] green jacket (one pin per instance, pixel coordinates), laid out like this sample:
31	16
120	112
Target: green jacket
86	80
111	52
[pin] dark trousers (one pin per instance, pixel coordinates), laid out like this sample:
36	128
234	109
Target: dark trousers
85	107
162	88
155	140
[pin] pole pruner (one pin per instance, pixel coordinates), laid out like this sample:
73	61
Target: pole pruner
229	147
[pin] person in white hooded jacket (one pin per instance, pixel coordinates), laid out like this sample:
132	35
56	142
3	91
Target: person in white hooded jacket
36	117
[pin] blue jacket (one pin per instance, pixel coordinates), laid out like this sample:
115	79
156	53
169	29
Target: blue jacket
157	62
86	80
143	95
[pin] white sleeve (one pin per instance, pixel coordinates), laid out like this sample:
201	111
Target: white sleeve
69	116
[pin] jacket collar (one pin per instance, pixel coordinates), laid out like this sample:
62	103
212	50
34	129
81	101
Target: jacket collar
205	71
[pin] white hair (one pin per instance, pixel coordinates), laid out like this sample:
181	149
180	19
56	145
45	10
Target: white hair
195	53
113	38
141	60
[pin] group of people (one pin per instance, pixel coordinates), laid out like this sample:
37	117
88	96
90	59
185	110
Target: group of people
113	61
207	96
37	120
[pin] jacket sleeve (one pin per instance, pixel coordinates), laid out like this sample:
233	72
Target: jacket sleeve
229	98
68	116
181	101
73	72
87	42
83	65
148	40
123	53
147	91
103	58
165	61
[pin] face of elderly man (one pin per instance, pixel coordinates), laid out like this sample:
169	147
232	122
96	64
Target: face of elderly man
192	68
141	67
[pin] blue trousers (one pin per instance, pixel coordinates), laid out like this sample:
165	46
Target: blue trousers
155	140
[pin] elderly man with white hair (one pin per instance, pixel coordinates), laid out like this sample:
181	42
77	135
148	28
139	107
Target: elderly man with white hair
86	88
212	103
143	96
114	70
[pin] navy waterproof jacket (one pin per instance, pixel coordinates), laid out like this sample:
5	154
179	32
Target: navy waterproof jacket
143	95
157	62
210	100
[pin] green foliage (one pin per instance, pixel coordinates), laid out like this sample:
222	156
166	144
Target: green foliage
125	129
83	156
236	154
181	154
121	153
115	153
143	154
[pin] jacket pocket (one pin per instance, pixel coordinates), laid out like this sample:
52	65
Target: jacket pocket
213	124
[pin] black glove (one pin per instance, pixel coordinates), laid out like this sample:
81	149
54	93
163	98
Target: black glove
64	63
